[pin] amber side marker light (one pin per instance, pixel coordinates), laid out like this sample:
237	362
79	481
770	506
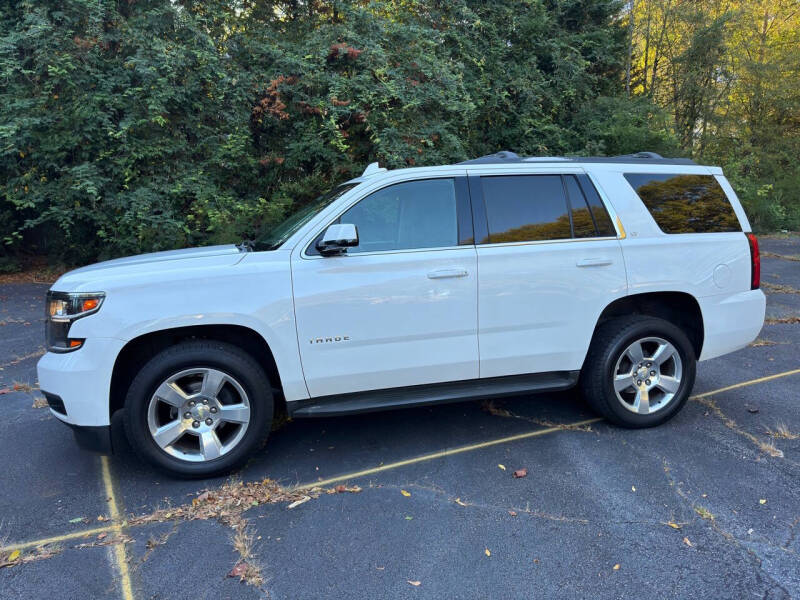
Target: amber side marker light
75	343
89	304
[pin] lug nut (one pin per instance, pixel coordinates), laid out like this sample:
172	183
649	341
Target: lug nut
647	382
209	421
205	401
638	382
191	403
195	424
187	415
652	373
649	365
213	409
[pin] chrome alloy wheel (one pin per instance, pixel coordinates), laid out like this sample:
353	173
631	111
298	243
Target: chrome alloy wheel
648	375
198	415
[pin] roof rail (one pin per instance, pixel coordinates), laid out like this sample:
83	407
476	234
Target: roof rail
373	169
650	158
504	156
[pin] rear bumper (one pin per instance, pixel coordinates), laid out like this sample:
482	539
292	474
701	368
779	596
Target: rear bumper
731	321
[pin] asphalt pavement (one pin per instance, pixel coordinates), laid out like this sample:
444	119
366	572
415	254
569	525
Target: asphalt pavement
422	503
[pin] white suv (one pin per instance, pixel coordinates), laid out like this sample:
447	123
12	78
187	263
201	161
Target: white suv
497	276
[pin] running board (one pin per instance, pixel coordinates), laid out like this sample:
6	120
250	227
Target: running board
435	393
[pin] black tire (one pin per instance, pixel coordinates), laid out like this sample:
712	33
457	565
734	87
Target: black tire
609	343
190	355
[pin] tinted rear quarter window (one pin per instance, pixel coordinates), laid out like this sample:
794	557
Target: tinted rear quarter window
685	203
524	208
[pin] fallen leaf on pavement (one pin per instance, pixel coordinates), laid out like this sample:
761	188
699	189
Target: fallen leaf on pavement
487	552
513	513
14	555
405	493
102	536
414	583
674	525
76	520
519	473
616	567
762	501
687	542
502	467
239	570
297	503
633	488
460	503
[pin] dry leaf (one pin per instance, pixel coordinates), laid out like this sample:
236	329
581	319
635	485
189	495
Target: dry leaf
502	467
460	503
616	567
13	556
687	542
762	501
239	570
297	503
102	536
633	488
414	583
674	525
405	493
513	513
536	561
487	552
519	473
101	518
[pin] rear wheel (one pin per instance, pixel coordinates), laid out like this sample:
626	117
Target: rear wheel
199	409
639	371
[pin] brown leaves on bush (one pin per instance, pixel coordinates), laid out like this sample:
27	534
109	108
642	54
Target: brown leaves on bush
342	50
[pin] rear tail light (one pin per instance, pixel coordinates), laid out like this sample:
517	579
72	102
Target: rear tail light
755	262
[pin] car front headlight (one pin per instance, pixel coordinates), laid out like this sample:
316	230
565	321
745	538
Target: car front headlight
64	308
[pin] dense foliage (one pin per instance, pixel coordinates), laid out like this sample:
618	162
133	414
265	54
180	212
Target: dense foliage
136	125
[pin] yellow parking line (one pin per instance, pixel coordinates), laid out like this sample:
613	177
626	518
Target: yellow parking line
120	556
513	438
59	538
119	549
746	383
443	453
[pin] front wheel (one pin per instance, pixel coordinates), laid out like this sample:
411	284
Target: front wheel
639	371
199	409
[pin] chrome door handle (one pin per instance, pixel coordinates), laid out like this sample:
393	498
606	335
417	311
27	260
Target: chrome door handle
445	273
594	262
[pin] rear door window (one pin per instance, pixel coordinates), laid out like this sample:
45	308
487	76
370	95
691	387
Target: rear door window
682	203
525	208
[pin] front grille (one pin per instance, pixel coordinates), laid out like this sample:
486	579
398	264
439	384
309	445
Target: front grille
55	402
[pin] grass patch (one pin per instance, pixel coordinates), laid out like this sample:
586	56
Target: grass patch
782	432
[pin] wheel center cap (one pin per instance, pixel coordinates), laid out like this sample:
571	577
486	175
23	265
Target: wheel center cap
200	412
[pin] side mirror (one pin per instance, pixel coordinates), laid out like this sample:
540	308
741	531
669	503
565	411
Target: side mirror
337	239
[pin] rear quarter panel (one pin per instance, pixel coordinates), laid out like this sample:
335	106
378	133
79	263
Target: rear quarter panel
712	267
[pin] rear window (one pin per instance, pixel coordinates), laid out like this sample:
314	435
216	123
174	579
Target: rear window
524	208
685	203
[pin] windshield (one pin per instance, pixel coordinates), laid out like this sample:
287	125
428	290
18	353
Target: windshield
297	217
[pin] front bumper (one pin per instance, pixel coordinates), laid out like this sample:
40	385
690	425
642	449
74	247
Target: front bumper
82	381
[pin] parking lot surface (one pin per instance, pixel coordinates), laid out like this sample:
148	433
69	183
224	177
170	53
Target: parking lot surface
422	503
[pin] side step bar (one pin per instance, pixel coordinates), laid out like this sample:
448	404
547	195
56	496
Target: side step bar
436	393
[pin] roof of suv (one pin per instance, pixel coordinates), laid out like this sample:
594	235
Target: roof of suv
505	157
639	158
